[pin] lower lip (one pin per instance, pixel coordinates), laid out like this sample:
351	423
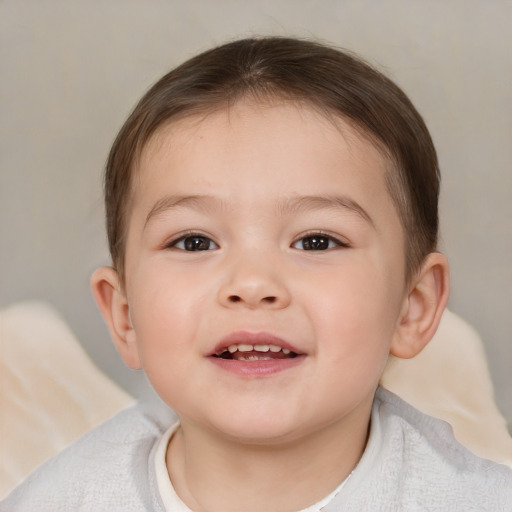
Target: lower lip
257	368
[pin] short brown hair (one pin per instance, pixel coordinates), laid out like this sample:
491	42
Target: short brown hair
334	81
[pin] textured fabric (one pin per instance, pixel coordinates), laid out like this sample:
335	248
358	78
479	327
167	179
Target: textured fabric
109	469
411	463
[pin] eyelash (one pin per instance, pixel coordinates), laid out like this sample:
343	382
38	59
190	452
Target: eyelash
173	244
320	237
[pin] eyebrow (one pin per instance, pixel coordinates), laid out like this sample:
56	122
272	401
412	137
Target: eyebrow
308	203
200	202
288	206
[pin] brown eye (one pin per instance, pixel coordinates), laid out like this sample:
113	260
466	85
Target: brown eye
195	243
317	243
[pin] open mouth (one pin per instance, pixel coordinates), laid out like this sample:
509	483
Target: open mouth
248	352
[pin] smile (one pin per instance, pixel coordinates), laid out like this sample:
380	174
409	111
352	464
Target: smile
254	355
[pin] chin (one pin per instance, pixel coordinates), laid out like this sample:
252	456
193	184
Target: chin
262	437
267	429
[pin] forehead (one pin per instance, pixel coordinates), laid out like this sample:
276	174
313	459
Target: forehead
290	122
251	144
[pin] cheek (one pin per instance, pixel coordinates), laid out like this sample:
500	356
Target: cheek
163	308
356	312
163	319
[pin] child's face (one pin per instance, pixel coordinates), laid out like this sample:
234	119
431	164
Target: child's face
302	248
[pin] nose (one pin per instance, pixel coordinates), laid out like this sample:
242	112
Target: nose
253	284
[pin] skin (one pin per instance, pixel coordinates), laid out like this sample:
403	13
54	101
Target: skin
256	183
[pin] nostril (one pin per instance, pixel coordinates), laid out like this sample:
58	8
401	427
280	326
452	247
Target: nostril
267	300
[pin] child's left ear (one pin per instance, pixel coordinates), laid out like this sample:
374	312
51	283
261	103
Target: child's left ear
423	307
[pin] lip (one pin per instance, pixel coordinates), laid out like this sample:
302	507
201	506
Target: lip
255	369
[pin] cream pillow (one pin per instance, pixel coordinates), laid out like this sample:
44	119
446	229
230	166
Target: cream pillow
50	391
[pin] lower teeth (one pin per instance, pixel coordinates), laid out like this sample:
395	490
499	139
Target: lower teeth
255	358
252	356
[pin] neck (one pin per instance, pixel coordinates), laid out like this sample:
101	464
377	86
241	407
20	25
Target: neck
212	473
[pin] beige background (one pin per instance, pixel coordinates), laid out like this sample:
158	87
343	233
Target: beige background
72	70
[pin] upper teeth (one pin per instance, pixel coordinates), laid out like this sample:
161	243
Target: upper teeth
245	347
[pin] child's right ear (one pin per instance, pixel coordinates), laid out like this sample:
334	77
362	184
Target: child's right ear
111	299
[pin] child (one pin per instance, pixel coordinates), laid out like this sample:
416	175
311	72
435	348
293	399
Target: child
272	219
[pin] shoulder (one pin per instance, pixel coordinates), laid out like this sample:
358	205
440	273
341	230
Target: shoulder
107	469
412	462
420	432
434	465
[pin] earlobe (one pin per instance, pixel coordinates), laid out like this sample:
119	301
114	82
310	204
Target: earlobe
423	307
113	304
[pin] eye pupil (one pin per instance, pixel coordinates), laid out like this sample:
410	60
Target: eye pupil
196	243
318	243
